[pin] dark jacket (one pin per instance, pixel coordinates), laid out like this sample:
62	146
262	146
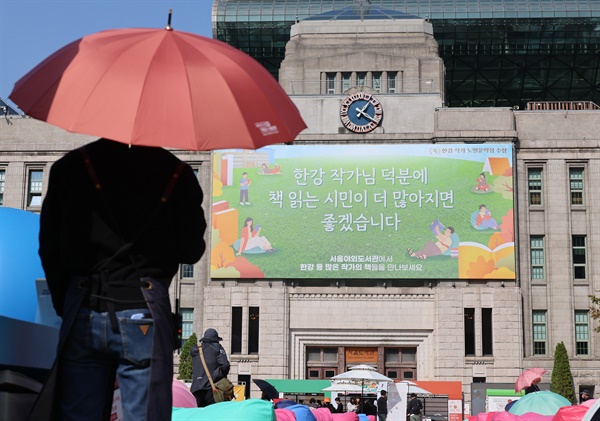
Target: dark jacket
382	405
81	226
415	406
532	388
216	361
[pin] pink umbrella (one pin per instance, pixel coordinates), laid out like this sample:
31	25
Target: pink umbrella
527	377
589	402
182	397
529	416
570	413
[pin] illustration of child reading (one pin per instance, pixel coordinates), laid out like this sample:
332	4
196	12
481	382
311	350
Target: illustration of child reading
482	219
251	241
446	240
264	169
482	184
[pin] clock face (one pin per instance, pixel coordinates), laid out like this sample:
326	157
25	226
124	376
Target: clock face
361	112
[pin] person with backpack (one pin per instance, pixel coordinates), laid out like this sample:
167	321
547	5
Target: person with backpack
415	406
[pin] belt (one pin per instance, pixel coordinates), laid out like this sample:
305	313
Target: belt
103	295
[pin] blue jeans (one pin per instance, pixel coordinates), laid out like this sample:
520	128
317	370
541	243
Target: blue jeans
91	354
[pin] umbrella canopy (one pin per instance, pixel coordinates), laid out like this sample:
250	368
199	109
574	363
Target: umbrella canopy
414	388
570	413
592	413
527	377
159	87
361	375
267	388
182	397
343	387
543	403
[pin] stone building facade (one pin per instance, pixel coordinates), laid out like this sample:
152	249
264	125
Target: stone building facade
409	329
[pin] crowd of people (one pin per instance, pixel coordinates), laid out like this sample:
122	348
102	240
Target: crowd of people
367	406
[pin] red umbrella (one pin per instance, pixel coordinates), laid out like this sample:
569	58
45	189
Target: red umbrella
159	87
527	377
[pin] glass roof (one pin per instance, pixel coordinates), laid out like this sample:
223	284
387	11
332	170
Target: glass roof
362	12
496	52
260	10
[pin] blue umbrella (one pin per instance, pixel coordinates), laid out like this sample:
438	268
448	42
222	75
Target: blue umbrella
543	403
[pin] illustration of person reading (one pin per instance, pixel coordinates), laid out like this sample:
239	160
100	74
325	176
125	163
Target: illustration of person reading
264	169
482	219
251	241
446	240
482	184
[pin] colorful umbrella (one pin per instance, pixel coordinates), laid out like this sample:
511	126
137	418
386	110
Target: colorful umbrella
159	87
543	403
589	403
182	397
527	377
570	413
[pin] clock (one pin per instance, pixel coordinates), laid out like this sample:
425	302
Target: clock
361	112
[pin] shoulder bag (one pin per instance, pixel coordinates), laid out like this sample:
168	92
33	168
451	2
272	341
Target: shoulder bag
223	389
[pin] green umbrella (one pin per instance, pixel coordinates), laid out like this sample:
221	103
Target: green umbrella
543	403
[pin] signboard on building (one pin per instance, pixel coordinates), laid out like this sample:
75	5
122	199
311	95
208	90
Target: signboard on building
361	355
424	211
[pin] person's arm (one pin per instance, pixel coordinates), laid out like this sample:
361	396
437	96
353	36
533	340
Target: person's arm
50	239
222	362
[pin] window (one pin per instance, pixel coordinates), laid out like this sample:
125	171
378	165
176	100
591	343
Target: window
392	355
330	83
535	186
537	257
377	81
346	81
321	362
409	355
34	195
539	332
361	78
2	179
187	327
582	332
392	82
253	330
236	330
486	331
576	185
579	260
187	271
400	363
469	327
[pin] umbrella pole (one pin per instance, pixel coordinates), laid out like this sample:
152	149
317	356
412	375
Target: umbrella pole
362	400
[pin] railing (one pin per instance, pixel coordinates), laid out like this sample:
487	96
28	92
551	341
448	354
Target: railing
392	86
561	105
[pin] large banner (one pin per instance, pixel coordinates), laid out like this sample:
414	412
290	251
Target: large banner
435	211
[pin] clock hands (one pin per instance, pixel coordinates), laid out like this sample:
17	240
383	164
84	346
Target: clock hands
362	112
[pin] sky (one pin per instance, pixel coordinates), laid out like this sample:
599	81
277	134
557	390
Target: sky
32	30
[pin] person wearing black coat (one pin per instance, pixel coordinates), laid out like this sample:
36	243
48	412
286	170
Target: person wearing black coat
216	362
116	223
